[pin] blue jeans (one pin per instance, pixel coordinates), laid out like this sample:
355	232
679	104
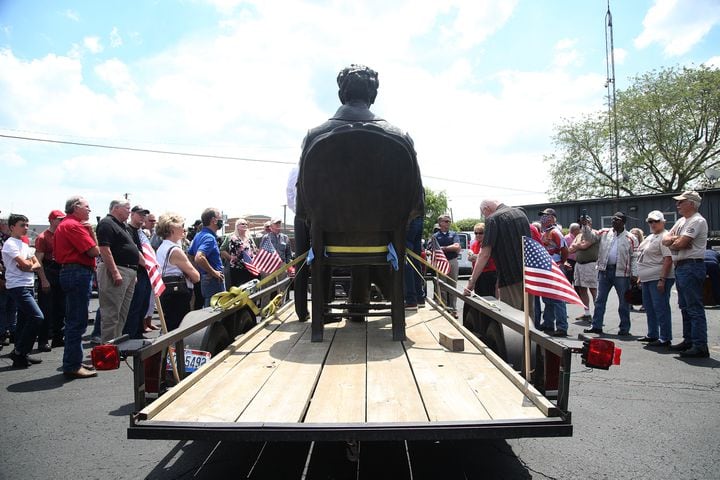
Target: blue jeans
210	286
606	280
30	318
413	280
657	308
555	314
690	278
8	313
75	282
134	325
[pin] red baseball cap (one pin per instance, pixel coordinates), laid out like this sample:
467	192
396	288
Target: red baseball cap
56	214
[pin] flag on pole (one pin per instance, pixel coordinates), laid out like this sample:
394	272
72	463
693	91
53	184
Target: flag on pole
543	277
439	260
267	259
249	265
153	269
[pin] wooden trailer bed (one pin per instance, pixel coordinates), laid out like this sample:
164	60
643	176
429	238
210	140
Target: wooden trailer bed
273	383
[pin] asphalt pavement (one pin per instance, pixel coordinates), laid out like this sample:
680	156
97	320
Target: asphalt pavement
655	416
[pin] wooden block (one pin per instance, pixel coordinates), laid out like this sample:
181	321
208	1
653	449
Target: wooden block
452	341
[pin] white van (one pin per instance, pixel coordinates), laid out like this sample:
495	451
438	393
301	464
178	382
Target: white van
464	264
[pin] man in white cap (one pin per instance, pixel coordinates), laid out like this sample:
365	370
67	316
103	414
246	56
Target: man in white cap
687	240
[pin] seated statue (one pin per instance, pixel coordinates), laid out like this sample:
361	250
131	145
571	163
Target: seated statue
364	181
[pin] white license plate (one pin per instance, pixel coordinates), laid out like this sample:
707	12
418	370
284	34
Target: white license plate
194	359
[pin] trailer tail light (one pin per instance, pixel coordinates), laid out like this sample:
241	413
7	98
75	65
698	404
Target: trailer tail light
105	357
600	353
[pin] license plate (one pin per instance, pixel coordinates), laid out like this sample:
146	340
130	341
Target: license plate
194	359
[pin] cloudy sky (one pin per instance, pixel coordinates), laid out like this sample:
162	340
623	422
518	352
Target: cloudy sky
478	84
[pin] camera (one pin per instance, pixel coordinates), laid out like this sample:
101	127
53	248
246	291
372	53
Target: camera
583	215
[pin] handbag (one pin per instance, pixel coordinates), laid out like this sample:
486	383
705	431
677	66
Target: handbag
174	284
633	295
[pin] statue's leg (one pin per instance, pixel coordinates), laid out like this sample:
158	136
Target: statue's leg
302	244
397	293
360	290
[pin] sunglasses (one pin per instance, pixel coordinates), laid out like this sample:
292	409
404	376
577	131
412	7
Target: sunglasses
479	233
653	221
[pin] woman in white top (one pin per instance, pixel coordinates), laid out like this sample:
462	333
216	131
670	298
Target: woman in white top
177	271
655	272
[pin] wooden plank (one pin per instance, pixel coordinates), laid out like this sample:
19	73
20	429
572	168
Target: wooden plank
151	410
238	387
445	393
527	388
498	395
286	394
340	392
201	392
392	394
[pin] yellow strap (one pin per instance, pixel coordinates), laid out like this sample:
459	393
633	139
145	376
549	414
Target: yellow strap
426	263
237	297
352	249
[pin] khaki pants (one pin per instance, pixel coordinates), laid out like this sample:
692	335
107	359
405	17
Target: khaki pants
513	295
114	300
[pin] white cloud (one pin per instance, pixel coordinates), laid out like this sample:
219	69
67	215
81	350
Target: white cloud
72	15
11	159
713	62
566	54
678	26
93	44
254	89
115	38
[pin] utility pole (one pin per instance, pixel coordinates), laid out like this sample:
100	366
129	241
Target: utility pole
610	85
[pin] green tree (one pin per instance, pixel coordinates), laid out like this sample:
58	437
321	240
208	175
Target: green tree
436	203
668	135
466	224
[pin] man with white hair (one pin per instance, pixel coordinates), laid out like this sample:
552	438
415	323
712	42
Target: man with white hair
687	240
504	228
118	271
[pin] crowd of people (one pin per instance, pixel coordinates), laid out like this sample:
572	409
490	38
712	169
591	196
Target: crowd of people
597	261
70	256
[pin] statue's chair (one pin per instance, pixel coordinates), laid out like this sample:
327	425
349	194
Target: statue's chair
359	184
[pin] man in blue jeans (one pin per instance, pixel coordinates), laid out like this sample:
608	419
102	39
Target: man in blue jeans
617	267
75	251
686	241
20	271
205	250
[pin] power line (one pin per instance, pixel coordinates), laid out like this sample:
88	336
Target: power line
223	157
146	150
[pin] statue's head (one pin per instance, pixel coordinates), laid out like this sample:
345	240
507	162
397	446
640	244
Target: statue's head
357	82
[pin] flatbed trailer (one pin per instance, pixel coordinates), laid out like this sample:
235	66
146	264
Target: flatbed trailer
273	384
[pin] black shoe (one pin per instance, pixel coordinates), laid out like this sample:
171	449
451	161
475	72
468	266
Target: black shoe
593	330
648	339
57	342
19	361
624	333
44	348
559	333
695	352
681	347
23	361
659	343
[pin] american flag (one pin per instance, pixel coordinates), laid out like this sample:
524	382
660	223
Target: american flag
439	260
543	277
267	259
153	269
249	263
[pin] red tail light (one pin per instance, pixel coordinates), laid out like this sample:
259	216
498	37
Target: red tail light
105	357
600	353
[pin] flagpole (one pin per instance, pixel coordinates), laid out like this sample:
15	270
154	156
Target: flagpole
526	304
164	330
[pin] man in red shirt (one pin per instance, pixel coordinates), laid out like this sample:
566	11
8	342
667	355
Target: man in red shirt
75	250
50	297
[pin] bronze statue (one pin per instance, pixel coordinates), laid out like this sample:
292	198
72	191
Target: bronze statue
358	185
